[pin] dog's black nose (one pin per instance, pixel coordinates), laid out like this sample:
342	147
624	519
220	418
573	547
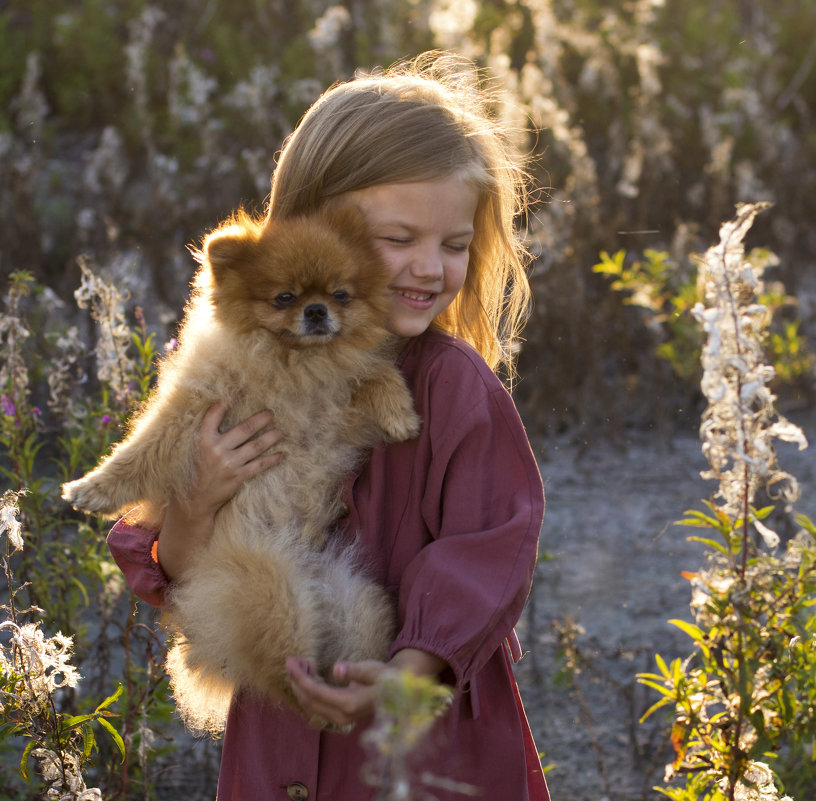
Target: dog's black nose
315	312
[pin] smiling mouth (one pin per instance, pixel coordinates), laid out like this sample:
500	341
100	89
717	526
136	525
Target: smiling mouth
418	296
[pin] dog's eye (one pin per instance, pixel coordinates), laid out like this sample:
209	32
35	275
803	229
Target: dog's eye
285	299
341	296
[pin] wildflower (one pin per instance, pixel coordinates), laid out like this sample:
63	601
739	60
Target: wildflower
62	773
9	522
406	708
30	105
13	333
107	167
189	92
800	545
42	662
106	303
65	371
738	427
757	784
140	36
770	537
327	30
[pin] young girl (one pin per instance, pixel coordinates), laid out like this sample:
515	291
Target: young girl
449	522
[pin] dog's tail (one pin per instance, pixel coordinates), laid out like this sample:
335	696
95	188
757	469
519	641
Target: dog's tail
253	600
243	611
358	617
201	691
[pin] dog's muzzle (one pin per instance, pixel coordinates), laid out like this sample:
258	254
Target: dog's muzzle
316	319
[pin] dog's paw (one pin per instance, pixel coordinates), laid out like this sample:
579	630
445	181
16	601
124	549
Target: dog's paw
402	426
88	496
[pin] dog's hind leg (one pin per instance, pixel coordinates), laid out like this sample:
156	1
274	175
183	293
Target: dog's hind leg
153	461
244	608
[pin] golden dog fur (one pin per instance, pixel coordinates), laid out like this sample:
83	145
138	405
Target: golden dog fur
288	316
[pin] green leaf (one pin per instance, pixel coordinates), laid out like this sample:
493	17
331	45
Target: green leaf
8	730
699	519
24	758
806	523
653	708
89	741
111	698
695	632
718	546
72	721
115	736
761	514
661	663
83	591
661	688
610	265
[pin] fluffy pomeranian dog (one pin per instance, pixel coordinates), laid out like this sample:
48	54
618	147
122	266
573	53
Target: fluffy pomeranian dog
289	316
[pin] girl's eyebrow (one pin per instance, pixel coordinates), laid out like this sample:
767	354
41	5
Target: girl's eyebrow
468	231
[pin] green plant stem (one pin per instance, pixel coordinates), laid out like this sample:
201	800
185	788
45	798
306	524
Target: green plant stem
746	509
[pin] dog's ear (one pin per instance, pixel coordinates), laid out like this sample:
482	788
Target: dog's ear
231	245
348	221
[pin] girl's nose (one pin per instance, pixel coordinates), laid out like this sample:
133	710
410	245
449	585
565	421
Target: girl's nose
428	264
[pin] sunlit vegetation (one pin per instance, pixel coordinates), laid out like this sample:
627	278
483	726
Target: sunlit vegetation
129	127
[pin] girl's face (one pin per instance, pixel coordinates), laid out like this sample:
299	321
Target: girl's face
423	231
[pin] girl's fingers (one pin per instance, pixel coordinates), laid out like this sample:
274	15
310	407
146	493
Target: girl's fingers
339	705
257	447
225	461
213	417
245	432
361	672
242	444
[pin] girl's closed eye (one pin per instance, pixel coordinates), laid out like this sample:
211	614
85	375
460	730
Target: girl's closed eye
397	240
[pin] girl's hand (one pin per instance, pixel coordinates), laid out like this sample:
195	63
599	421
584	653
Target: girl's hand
223	463
353	700
340	705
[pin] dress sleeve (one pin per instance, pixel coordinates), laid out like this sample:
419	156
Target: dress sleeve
483	504
133	547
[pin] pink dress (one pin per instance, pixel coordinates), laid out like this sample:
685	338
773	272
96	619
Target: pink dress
449	524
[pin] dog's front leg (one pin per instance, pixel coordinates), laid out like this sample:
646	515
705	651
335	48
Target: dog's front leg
383	398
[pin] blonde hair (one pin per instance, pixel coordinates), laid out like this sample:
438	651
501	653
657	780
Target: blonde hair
420	120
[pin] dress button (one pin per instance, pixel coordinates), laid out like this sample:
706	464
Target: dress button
297	791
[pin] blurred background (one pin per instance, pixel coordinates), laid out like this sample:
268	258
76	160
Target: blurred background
127	128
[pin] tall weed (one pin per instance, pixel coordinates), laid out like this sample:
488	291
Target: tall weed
744	727
61	407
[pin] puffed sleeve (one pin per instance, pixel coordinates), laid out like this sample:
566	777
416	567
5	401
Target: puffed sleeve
133	547
483	504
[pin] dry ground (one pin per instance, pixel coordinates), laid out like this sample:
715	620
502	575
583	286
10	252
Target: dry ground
615	569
